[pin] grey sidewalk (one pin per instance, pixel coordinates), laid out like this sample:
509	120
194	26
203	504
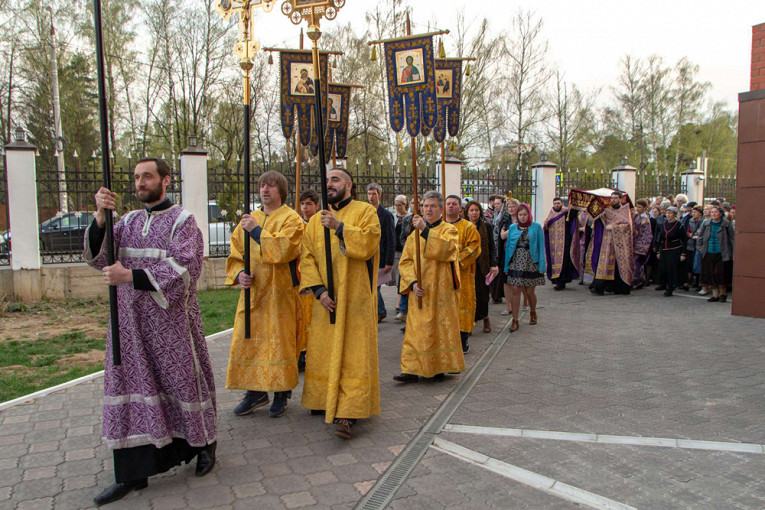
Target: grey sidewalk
643	365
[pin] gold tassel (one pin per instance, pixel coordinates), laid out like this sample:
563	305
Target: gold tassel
400	143
374	54
467	70
427	146
441	51
452	147
270	58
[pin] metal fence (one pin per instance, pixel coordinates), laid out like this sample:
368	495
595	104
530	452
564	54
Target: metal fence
722	188
650	185
481	184
65	205
568	179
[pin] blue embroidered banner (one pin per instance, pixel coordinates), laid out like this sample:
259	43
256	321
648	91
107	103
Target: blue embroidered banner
298	92
338	113
411	84
448	96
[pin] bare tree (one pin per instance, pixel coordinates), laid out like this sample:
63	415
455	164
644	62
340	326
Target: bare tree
687	96
571	119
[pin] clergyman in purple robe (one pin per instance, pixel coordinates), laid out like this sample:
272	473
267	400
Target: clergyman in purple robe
643	239
159	403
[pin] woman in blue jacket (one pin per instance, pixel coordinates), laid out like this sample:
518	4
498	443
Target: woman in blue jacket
525	263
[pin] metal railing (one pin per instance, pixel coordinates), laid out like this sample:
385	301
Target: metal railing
720	187
568	179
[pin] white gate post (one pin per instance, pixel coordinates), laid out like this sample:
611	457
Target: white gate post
625	178
693	181
194	186
453	176
544	187
22	203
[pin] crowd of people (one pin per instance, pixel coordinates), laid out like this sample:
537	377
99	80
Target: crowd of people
314	279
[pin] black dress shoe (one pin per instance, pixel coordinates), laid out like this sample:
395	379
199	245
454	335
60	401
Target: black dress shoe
668	292
439	377
713	299
598	292
406	378
560	287
119	491
318	412
723	298
206	460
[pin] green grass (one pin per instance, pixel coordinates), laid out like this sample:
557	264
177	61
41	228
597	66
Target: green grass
34	361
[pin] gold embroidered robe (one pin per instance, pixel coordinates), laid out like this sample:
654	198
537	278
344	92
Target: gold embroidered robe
267	361
432	341
469	246
341	374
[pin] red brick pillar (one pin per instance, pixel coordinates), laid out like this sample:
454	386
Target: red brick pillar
748	269
758	57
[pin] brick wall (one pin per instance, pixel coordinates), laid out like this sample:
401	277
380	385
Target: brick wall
758	57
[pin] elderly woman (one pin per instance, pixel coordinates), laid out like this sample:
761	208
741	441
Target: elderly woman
692	256
486	263
715	242
670	248
525	263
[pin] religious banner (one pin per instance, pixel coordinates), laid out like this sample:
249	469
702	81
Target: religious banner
594	201
448	95
298	92
338	113
411	83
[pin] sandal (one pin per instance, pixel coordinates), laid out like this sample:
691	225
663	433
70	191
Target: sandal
514	326
504	312
343	428
532	318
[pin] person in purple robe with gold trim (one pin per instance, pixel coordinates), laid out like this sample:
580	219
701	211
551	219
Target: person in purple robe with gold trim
558	240
159	406
642	243
612	249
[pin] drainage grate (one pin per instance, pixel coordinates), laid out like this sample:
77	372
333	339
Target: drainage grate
382	493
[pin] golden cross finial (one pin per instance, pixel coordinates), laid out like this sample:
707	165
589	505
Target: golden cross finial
247	46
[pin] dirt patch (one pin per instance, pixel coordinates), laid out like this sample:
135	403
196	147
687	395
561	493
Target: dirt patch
82	359
50	319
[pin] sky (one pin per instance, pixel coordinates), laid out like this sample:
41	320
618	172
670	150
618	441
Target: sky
588	38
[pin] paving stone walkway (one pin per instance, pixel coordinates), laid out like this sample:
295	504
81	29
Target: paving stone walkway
635	367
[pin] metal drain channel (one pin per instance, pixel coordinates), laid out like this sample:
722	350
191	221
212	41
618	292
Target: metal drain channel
382	493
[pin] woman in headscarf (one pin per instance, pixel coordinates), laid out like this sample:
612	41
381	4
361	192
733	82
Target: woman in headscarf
526	263
670	250
715	242
512	215
486	263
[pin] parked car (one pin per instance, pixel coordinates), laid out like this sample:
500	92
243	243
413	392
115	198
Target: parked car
65	233
220	229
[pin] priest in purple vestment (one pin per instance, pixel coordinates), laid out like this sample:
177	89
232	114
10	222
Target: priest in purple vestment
159	403
642	242
612	249
558	237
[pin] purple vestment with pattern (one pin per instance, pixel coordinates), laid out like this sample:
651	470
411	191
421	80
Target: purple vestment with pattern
164	387
643	238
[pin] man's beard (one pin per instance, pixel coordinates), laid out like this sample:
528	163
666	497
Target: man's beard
150	195
336	198
557	208
616	205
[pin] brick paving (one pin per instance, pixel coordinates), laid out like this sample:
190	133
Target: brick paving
642	365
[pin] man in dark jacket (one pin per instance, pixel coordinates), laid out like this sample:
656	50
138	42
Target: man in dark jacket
387	244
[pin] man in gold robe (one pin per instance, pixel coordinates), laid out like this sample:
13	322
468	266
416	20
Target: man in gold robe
469	249
341	374
267	361
432	341
310	202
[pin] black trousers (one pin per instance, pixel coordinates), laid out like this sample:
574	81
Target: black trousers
138	462
617	285
670	268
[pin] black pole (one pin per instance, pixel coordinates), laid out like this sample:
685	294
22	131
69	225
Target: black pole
323	175
107	179
246	201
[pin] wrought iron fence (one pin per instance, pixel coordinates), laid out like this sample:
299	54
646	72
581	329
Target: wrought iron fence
65	205
5	232
568	179
653	185
720	187
481	184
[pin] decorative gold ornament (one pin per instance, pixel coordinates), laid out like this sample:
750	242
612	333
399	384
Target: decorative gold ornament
427	146
467	70
270	58
400	143
452	147
374	54
441	51
311	10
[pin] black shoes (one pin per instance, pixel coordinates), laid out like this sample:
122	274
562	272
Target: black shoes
251	401
439	377
406	378
713	299
279	407
206	460
598	292
560	286
668	292
465	346
119	491
723	298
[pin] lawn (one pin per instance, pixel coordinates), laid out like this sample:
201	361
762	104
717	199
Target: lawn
47	343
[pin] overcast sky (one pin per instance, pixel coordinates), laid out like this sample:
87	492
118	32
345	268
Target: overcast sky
587	38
